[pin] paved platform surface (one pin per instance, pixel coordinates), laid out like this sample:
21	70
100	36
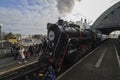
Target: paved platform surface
9	64
101	64
4	62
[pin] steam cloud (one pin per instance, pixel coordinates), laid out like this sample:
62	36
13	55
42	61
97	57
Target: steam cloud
65	6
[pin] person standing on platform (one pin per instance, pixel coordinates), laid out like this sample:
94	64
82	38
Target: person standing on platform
21	55
26	54
31	50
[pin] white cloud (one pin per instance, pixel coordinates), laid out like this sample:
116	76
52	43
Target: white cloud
32	16
28	17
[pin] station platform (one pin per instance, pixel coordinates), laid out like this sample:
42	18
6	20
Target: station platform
8	65
103	63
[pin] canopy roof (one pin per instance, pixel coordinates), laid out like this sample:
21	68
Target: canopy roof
109	20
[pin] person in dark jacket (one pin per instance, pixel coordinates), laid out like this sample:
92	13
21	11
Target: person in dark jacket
31	50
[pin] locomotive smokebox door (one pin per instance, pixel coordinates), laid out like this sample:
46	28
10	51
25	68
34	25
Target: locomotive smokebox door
51	35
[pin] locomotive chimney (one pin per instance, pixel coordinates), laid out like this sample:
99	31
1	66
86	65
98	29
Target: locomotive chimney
81	24
85	20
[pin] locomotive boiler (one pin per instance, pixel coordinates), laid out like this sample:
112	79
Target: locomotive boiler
66	39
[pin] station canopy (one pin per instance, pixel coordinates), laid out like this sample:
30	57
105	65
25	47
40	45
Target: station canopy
109	21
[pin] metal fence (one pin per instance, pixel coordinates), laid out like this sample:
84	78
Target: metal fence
5	52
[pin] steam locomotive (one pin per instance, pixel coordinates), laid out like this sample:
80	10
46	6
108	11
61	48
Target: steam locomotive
66	42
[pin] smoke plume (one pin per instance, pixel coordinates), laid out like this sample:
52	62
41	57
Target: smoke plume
65	6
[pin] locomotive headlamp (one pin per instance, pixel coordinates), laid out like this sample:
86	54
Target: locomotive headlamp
51	35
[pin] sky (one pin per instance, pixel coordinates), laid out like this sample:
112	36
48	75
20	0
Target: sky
32	16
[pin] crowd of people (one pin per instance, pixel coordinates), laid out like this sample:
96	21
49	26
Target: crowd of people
34	50
22	54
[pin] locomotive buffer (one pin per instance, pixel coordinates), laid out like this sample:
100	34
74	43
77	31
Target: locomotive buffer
101	64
